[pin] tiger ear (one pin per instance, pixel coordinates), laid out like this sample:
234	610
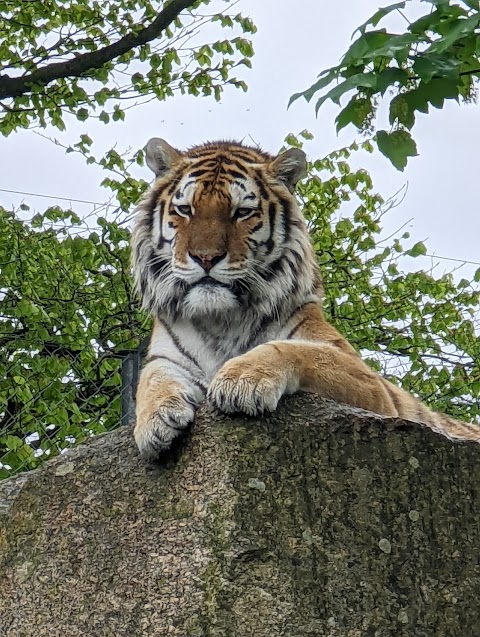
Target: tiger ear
290	167
160	156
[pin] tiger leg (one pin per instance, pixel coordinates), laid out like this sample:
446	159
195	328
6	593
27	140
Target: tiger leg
255	382
167	398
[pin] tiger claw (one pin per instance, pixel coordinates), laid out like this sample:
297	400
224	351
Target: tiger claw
155	434
245	392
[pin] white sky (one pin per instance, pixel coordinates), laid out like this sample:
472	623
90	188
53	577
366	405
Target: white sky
295	41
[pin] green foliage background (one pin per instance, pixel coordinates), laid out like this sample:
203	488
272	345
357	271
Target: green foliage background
70	316
436	58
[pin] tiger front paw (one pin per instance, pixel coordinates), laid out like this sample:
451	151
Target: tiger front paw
244	385
156	428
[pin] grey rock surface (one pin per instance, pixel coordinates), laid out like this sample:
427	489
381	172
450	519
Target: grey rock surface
317	521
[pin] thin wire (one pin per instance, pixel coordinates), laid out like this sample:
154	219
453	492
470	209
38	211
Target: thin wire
435	256
36	194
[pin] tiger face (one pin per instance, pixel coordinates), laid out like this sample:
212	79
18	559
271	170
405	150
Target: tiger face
220	230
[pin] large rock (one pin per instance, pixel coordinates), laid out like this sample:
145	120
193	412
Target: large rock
318	521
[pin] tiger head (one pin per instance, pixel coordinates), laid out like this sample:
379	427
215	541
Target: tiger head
220	230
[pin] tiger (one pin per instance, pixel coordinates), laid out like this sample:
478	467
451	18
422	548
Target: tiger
223	262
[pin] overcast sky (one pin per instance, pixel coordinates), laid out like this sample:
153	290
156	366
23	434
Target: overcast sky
295	41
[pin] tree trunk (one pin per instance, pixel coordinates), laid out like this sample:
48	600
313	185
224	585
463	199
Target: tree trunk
318	521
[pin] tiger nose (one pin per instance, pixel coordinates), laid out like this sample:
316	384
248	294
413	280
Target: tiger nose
207	261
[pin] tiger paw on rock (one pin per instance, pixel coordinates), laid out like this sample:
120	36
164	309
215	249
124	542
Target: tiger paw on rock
251	384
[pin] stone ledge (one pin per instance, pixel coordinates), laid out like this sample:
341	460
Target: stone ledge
317	520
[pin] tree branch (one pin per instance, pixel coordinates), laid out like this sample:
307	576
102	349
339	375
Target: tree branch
80	64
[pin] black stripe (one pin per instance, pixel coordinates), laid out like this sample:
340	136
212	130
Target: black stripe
203	168
143	283
257	227
286	214
177	344
297	327
299	258
290	263
200	172
235	174
189	400
175	180
299	308
253	215
261	186
233	162
152	204
269	244
251	158
156	263
273	269
238	153
203	163
196	382
161	240
139	247
264	323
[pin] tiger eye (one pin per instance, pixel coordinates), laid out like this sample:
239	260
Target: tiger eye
184	211
244	213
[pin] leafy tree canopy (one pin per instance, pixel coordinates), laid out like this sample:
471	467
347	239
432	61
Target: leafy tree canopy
436	58
93	58
68	317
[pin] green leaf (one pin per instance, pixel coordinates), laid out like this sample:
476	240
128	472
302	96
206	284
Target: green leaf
388	77
397	146
434	92
417	250
363	48
393	46
428	66
362	80
13	442
378	15
357	112
456	30
310	92
82	114
401	111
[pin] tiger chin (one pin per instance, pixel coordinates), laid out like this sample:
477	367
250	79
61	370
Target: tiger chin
223	262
